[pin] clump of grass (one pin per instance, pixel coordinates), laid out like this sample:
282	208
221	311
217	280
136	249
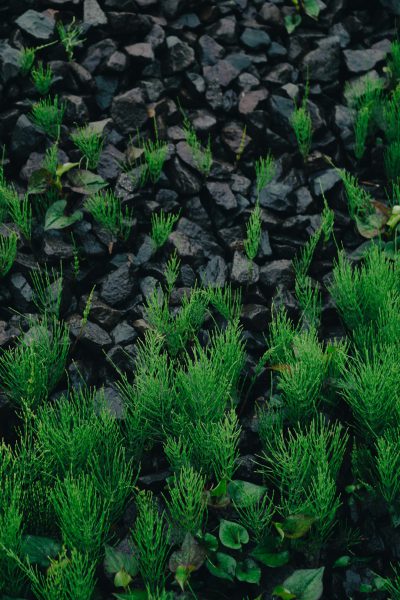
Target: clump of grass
81	513
151	537
30	371
392	160
8	252
387	464
106	209
171	272
265	172
47	114
361	130
47	288
394	61
202	156
20	211
226	301
391	116
253	233
256	516
70	36
362	91
26	60
42	78
151	161
161	227
302	125
186	504
90	143
359	200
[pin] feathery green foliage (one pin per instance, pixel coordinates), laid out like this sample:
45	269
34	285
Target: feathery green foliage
265	172
161	227
392	160
202	156
253	233
256	516
394	61
30	371
186	504
47	114
151	537
47	290
20	211
387	467
391	116
171	272
226	300
8	252
106	209
26	60
42	78
359	200
81	513
90	143
302	125
364	90
70	37
361	129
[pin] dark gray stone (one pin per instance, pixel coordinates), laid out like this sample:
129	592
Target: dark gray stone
210	50
118	286
214	273
277	272
9	62
124	333
179	55
255	39
185	179
325	181
222	73
254	316
221	195
141	54
39	25
105	90
129	111
26	137
91	335
276	196
361	61
392	5
322	64
93	15
244	271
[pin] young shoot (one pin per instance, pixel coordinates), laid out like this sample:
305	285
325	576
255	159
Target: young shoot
47	290
48	114
302	125
8	252
253	233
42	78
106	209
265	172
202	156
161	227
90	143
70	37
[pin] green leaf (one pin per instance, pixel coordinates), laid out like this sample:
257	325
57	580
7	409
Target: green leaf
191	555
232	535
371	225
86	182
244	493
263	554
295	526
210	542
342	561
40	181
56	219
61	169
311	8
292	22
222	565
38	549
283	593
115	560
306	584
248	571
219	490
122	579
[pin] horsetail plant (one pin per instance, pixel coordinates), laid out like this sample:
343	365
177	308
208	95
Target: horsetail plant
70	37
186	503
106	209
47	290
202	156
253	233
265	172
47	114
90	144
8	252
42	78
161	227
302	124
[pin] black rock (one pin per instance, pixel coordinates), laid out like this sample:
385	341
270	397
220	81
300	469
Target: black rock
224	30
102	314
141	54
277	196
124	333
129	111
98	54
25	137
392	5
214	273
325	181
39	25
221	195
244	271
221	73
179	55
255	39
361	61
105	89
118	286
76	110
21	292
322	64
185	179
210	50
277	272
254	316
9	62
91	335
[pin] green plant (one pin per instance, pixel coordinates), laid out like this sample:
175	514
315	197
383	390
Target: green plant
387	464
171	272
81	513
42	78
187	502
151	537
253	233
256	515
90	143
391	116
364	90
265	172
8	252
150	161
161	227
310	8
106	209
30	371
361	129
26	60
202	156
242	145
70	37
47	290
20	211
394	61
48	114
302	125
392	160
226	301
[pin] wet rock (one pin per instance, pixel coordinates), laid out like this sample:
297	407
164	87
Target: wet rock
141	54
221	195
55	247
255	39
244	271
214	273
392	5
277	272
129	111
281	111
210	50
109	163
222	72
322	64
93	15
91	335
271	14
192	242
185	179
25	137
9	62
129	23
180	55
39	25
277	196
118	286
124	333
361	61
8	333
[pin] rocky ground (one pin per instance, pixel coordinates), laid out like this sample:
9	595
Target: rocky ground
236	72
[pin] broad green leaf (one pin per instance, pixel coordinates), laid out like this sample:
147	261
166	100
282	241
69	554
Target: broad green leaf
292	22
191	555
210	542
306	584
244	493
283	593
115	560
232	535
371	225
122	579
394	219
39	181
342	561
38	549
311	8
248	571
295	526
220	489
61	169
86	182
222	565
268	558
56	219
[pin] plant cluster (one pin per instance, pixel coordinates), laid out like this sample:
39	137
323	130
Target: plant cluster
302	124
